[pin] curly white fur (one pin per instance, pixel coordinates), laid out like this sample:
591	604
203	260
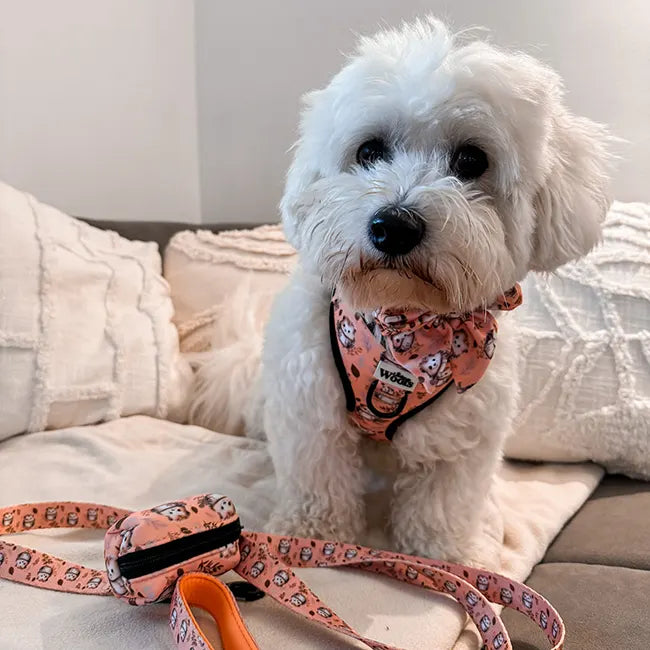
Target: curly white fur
538	205
219	399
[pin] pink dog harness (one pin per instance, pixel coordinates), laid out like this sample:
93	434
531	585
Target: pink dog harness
396	363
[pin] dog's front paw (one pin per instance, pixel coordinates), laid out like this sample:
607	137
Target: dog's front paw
300	524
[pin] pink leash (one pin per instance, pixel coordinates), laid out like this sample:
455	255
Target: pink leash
266	562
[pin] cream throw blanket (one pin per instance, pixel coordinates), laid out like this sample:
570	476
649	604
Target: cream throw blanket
139	461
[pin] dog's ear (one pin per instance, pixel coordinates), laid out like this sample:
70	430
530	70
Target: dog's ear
301	174
298	177
572	201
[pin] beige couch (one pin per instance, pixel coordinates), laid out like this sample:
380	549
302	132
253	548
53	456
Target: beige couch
594	571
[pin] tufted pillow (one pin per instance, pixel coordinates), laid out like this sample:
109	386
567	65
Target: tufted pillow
85	323
585	354
206	271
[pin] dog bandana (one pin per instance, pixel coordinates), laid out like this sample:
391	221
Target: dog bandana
396	363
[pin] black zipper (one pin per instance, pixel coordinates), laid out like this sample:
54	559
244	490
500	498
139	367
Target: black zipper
149	560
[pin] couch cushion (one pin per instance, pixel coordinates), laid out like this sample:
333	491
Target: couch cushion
205	269
610	528
603	607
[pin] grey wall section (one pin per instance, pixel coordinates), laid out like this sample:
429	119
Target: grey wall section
98	106
255	59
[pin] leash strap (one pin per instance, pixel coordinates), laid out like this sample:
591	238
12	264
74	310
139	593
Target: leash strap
31	567
266	562
210	594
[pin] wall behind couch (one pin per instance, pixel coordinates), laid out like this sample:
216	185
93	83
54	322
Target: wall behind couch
256	58
98	106
181	109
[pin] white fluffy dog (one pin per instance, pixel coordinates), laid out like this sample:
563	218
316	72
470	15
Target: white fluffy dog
486	176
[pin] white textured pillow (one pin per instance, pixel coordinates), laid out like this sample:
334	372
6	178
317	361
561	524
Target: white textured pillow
586	354
85	323
205	271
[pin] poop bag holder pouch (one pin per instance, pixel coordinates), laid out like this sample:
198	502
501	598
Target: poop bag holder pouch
147	551
175	549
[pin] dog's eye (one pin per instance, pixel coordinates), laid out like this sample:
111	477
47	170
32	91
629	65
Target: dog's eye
371	151
468	162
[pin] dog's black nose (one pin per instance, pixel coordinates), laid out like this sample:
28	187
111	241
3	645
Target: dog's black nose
395	231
